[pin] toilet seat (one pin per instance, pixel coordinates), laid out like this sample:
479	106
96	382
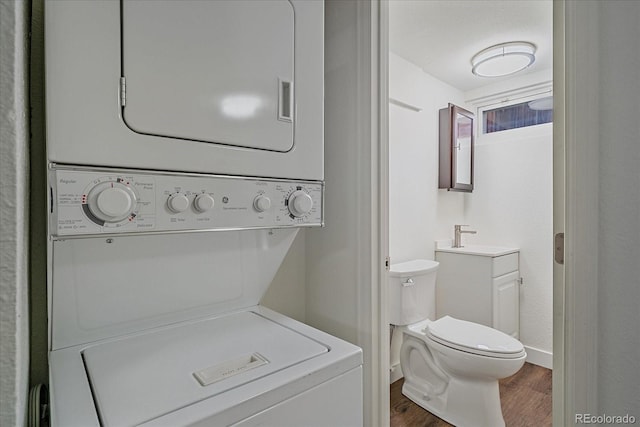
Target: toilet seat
474	338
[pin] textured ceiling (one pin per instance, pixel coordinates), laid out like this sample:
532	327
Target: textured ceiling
441	36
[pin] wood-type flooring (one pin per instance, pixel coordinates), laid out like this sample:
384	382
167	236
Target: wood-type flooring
525	398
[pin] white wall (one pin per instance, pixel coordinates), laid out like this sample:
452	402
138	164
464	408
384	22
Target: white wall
419	213
14	213
511	204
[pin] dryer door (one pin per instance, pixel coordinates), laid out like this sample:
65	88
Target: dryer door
218	72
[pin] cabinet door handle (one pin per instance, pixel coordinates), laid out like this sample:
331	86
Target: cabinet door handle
285	100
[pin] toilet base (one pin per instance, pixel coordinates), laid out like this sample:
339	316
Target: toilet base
462	403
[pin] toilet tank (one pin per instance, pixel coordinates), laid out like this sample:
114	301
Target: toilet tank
412	291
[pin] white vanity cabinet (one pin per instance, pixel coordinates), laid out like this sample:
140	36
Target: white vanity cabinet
480	284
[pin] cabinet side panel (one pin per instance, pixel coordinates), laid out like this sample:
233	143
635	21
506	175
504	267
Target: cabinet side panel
445	149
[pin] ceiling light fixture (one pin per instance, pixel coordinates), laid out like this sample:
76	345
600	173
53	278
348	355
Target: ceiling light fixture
503	59
541	104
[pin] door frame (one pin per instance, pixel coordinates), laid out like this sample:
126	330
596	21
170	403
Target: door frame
575	213
576	153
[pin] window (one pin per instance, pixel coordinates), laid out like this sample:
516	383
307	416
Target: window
515	116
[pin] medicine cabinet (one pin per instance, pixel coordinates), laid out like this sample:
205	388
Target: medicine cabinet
456	149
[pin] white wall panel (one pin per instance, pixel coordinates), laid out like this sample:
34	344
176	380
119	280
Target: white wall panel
511	205
619	206
288	290
419	213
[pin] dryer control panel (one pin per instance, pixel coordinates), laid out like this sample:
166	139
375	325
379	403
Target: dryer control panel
114	201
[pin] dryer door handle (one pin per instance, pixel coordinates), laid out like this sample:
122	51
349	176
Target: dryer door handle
285	100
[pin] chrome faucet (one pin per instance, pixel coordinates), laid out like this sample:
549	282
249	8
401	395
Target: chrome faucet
457	229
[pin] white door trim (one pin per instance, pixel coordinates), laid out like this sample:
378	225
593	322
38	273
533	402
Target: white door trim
381	121
558	211
373	49
576	151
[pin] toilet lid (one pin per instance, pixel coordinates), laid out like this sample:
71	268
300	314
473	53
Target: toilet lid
474	338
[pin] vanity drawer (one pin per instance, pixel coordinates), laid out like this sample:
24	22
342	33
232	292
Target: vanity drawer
505	264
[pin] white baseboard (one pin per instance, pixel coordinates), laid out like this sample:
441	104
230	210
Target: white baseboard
395	373
539	357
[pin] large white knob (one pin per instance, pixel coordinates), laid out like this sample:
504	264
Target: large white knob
262	203
300	203
112	201
203	202
178	202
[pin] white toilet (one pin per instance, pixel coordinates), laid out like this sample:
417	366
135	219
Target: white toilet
451	367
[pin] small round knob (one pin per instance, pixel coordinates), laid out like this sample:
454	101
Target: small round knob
178	202
262	203
204	202
111	201
300	203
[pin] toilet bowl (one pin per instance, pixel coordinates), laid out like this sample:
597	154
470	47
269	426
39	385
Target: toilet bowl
451	367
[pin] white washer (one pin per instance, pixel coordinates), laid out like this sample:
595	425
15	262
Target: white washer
166	119
249	367
154	326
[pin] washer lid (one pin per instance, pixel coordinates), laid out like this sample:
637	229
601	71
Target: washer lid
474	338
145	376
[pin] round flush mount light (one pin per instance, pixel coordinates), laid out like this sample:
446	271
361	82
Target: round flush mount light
541	104
503	59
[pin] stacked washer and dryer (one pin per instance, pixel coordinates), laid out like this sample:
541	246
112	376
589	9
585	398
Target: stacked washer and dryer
185	149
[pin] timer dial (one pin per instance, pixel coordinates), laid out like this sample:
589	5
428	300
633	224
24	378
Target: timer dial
300	203
111	201
178	202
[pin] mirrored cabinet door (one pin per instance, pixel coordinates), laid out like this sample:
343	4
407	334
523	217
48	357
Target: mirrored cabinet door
456	149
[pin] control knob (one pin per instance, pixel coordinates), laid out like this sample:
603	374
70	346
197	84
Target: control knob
111	201
204	202
300	203
178	202
262	203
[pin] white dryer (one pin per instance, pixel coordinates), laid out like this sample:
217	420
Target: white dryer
152	325
225	86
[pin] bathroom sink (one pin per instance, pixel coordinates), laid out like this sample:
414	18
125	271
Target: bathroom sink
490	251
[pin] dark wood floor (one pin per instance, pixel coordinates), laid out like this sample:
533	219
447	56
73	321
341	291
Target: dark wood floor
525	398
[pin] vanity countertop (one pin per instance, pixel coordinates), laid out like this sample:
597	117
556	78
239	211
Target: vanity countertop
489	251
